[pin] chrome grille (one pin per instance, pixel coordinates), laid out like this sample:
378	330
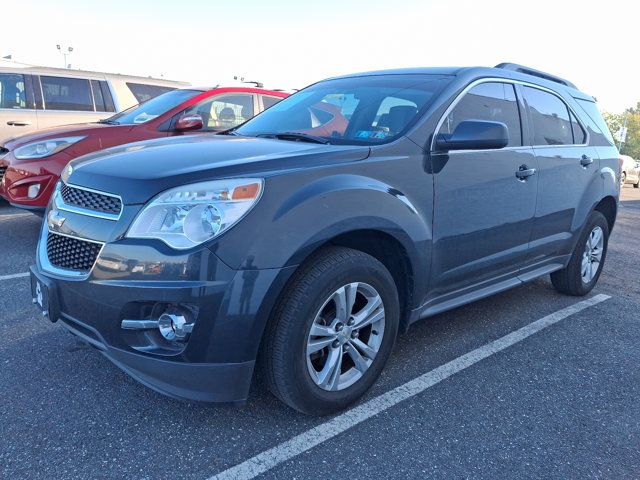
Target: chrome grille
86	199
71	253
2	170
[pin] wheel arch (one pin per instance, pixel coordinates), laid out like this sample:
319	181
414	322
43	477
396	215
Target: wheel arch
609	208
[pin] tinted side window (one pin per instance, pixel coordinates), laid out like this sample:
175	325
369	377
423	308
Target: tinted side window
97	96
224	111
269	101
144	92
550	118
579	137
491	101
106	95
595	122
12	91
61	93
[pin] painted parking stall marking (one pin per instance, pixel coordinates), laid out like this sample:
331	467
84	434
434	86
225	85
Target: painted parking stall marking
4	218
15	275
305	441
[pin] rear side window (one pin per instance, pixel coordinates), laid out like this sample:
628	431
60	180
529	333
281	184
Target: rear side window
97	96
269	101
12	91
491	101
106	95
579	137
62	93
594	120
144	92
550	118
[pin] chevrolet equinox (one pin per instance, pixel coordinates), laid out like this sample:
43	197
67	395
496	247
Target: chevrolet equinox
300	243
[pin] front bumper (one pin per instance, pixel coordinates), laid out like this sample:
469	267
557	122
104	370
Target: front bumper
18	176
200	382
216	363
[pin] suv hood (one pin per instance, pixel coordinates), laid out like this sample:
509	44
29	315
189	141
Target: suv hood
74	130
139	171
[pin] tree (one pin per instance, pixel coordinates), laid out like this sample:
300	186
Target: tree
614	121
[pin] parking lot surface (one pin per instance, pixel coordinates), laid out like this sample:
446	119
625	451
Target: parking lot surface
561	402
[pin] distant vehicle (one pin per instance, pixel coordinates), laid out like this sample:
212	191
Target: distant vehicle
33	98
30	165
303	250
629	171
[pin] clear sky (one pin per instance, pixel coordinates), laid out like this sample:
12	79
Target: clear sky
289	44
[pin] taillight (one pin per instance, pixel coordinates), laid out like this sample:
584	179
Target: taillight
621	160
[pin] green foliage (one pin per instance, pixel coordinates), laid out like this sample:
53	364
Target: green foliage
614	121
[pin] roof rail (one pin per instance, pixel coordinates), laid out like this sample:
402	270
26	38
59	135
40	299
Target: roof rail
514	67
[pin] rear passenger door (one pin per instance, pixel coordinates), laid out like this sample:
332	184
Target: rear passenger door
568	178
17	106
483	212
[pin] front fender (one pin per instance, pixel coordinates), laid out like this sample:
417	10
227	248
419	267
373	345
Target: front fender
283	230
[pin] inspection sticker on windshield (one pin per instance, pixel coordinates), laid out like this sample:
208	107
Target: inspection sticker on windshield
371	134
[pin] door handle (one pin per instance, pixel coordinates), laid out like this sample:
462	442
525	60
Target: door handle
586	160
524	172
16	123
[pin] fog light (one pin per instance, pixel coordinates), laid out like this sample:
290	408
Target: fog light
175	325
33	190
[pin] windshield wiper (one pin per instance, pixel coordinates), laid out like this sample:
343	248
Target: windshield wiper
230	131
296	136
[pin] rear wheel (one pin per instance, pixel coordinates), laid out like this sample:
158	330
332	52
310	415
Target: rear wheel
623	178
637	184
587	260
332	333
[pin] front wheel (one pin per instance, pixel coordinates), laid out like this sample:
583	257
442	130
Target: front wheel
587	260
623	179
332	333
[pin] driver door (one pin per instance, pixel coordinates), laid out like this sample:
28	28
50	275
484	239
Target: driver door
483	213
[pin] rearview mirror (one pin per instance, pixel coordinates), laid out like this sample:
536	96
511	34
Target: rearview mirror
474	135
191	121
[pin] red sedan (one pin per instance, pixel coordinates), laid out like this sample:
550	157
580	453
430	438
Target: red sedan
30	165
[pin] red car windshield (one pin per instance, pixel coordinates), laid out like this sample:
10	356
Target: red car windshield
153	108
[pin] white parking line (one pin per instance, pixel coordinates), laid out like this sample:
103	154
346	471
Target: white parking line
301	443
15	215
15	275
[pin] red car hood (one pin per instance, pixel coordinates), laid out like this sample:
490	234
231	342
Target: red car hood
77	129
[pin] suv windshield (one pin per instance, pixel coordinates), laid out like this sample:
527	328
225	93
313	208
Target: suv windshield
153	108
355	111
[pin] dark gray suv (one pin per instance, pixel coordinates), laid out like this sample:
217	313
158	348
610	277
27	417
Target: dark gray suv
301	242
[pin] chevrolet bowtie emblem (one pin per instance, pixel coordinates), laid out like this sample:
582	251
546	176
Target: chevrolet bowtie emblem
55	220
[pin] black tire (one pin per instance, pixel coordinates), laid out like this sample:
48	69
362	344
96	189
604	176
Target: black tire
637	184
283	358
569	280
623	179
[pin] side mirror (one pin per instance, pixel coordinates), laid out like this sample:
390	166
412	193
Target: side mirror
474	135
188	122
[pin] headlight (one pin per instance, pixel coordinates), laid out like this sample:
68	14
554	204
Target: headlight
45	148
187	216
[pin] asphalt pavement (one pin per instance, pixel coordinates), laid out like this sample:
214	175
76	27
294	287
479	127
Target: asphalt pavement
559	402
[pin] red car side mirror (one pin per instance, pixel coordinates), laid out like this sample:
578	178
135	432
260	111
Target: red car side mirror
188	122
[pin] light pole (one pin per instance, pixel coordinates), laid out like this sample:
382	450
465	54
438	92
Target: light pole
66	52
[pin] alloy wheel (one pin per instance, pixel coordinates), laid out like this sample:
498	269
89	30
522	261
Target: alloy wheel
592	255
345	336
